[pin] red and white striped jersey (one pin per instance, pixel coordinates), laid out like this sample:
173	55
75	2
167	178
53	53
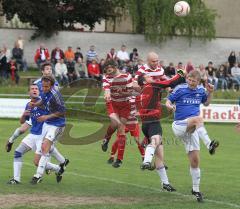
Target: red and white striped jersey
132	119
157	74
119	86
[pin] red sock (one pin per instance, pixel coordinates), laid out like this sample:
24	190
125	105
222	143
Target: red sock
121	146
114	148
140	148
110	132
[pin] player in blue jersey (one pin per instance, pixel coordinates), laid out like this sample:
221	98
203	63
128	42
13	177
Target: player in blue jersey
46	71
54	122
32	141
185	101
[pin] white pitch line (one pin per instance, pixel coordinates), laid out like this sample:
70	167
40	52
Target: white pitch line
149	188
153	189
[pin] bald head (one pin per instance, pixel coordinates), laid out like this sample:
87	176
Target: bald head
152	59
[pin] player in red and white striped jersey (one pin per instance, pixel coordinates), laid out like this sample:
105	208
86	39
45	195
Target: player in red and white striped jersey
117	91
132	126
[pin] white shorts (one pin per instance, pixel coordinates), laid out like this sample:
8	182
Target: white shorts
190	140
52	133
34	142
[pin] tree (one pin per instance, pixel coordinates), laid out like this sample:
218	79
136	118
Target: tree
50	16
156	19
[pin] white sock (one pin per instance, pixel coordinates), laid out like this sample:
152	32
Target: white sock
57	155
202	133
149	153
15	135
196	174
17	167
53	167
42	165
163	175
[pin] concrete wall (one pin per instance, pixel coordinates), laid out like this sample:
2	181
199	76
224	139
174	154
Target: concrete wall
174	50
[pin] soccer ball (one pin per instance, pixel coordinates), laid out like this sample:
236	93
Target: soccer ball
181	8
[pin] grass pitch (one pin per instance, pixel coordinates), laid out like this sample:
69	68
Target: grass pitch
89	182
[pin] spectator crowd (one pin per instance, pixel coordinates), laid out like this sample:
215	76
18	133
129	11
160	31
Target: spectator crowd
72	64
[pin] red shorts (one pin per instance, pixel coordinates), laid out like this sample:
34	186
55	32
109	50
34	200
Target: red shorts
109	108
122	108
133	129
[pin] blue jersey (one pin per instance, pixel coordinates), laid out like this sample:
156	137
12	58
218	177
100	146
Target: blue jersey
53	103
187	101
38	82
35	112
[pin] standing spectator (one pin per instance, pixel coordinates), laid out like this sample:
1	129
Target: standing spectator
61	72
56	55
71	70
238	59
170	70
232	59
78	54
235	72
14	71
41	55
94	70
112	55
122	56
3	66
20	42
211	72
80	68
91	54
203	74
221	74
17	55
69	54
7	53
189	67
134	56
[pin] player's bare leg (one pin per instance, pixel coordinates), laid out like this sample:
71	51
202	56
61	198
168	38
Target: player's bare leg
197	123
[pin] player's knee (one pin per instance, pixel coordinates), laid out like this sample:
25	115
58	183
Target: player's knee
45	147
36	161
17	154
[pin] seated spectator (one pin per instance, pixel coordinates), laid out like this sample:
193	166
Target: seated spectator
189	67
127	67
170	70
221	75
17	55
91	54
94	70
41	55
71	70
232	59
204	75
69	54
211	72
78	54
14	71
122	56
112	55
134	56
101	65
81	69
235	73
61	72
56	55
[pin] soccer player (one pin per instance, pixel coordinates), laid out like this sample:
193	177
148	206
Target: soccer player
185	101
117	92
150	112
46	71
32	141
132	126
54	122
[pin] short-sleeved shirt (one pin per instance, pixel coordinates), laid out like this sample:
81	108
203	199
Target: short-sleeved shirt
187	101
53	103
36	127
